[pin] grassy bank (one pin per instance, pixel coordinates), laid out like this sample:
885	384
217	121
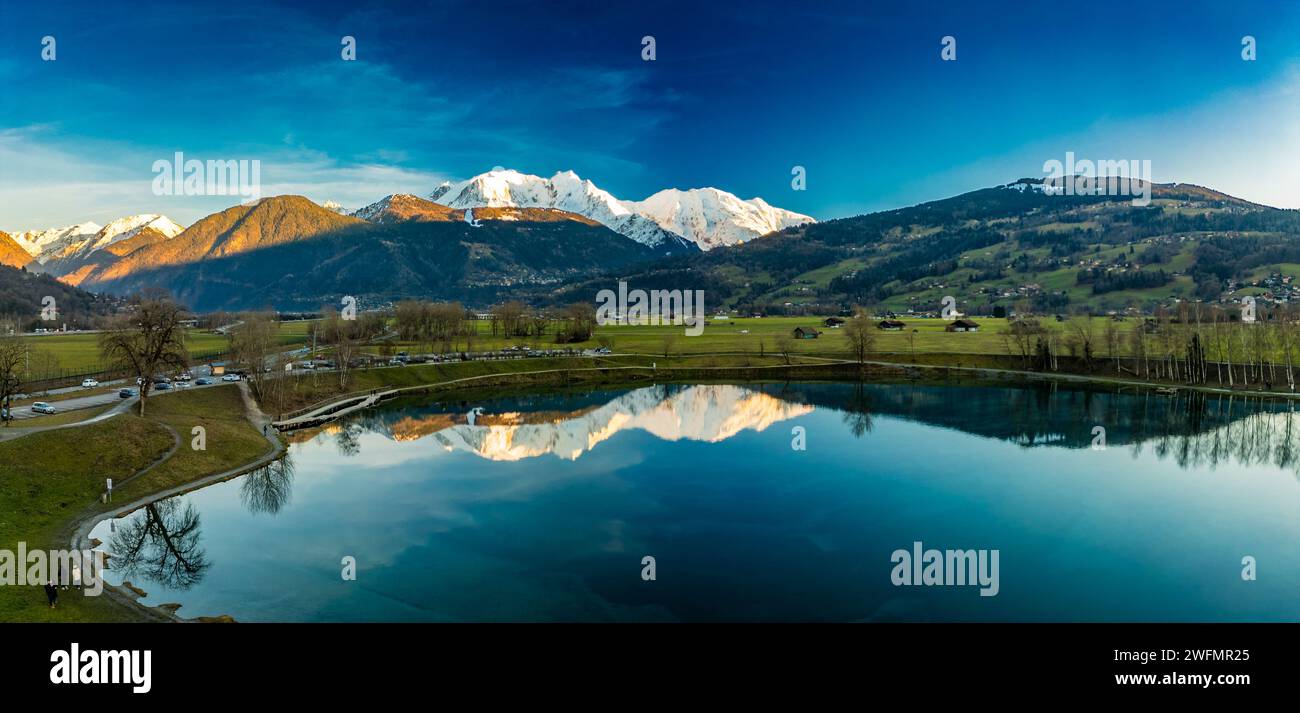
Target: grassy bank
49	480
52	480
231	440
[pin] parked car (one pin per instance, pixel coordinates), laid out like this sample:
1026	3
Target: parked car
183	384
5	415
89	383
203	381
126	393
185	376
230	377
42	407
162	386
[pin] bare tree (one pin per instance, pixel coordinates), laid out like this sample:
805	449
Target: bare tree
1082	339
784	345
1113	339
861	334
13	352
255	342
345	339
669	342
146	342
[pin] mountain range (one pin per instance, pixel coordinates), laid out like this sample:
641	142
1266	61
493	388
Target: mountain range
703	217
505	234
288	252
493	232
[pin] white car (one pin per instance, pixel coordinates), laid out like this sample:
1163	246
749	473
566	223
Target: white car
230	377
89	383
42	407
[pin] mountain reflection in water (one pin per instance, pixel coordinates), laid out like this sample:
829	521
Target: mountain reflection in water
540	508
1195	429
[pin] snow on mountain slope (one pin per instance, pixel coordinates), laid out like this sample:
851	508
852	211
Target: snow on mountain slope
563	191
78	241
35	242
706	217
713	217
71	253
130	226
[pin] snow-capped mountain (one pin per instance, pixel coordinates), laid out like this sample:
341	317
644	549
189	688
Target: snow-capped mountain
129	227
712	217
563	191
710	413
704	217
35	242
78	241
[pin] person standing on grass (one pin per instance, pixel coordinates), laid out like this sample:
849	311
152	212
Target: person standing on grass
52	593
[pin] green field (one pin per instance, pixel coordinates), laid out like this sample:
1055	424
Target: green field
760	335
80	352
295	332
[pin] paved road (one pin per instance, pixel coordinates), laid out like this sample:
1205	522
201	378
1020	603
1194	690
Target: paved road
106	393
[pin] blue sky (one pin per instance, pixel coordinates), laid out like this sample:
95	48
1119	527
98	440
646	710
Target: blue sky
740	93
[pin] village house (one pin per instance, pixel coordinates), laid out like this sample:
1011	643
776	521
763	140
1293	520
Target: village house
832	322
806	333
961	325
890	325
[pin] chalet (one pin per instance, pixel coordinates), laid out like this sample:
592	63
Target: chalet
832	322
806	333
961	325
890	325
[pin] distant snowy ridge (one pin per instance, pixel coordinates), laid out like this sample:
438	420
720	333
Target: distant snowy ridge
563	191
705	217
711	217
78	241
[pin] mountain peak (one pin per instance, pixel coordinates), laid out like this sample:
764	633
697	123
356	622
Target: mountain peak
11	253
404	206
713	217
565	191
707	217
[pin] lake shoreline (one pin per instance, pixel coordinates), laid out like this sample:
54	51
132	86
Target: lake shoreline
515	383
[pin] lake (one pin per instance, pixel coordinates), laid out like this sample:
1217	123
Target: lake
772	502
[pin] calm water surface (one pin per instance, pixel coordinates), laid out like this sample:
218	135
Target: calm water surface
541	508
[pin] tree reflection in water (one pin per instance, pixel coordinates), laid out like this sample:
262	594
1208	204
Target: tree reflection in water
857	411
268	489
160	543
346	438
